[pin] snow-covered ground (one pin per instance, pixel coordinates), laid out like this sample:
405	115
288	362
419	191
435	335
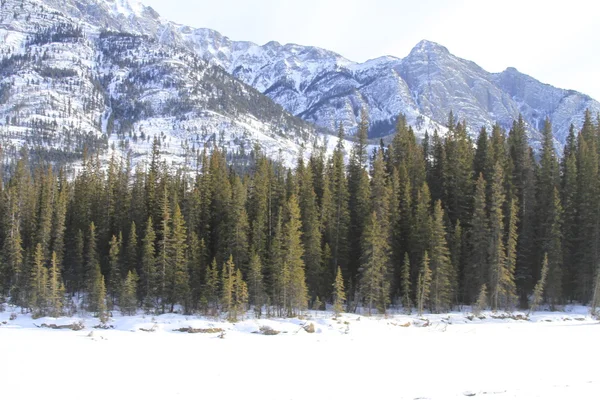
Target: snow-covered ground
449	356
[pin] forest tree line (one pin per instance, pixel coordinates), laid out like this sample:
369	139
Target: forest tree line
430	225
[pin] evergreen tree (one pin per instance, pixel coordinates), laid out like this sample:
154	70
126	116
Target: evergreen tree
293	252
406	284
339	295
441	266
196	268
241	294
148	289
114	269
423	284
555	240
56	288
538	290
211	289
178	278
164	259
374	280
311	231
337	214
36	295
508	283
128	295
497	249
240	227
523	187
256	290
131	251
481	304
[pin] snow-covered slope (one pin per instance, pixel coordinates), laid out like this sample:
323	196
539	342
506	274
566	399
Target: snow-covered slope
93	73
113	73
323	87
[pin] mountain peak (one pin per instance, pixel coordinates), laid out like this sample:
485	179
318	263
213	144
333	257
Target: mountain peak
426	46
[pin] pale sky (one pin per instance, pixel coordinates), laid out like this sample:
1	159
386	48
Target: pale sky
556	42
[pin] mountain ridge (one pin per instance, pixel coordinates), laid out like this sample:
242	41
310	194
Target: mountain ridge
168	84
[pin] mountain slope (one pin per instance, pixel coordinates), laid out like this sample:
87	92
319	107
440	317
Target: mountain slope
113	73
324	88
67	82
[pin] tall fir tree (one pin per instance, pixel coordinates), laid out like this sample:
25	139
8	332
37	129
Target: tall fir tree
374	280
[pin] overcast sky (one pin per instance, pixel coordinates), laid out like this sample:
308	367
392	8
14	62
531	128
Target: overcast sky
557	42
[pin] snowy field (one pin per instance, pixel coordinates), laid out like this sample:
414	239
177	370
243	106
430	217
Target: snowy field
449	356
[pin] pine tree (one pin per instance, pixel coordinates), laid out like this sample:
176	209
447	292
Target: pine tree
178	277
441	266
481	304
36	298
555	254
13	248
497	249
538	290
336	211
114	269
406	284
522	184
570	225
423	284
293	252
374	280
128	295
56	288
339	295
164	259
256	290
228	288
241	294
311	231
359	197
211	289
239	245
508	282
148	290
196	268
131	251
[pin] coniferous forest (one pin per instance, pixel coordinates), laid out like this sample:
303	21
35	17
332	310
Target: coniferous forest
424	225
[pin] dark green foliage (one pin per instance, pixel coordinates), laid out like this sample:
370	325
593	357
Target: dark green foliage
433	225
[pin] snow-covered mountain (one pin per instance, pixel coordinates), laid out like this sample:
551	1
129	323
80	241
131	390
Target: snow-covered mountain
94	73
113	73
323	87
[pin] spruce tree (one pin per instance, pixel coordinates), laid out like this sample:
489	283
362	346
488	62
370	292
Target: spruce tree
114	270
374	281
481	304
339	295
293	252
256	290
178	291
211	288
311	231
423	284
56	288
131	252
538	290
442	284
497	249
406	284
128	295
148	289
